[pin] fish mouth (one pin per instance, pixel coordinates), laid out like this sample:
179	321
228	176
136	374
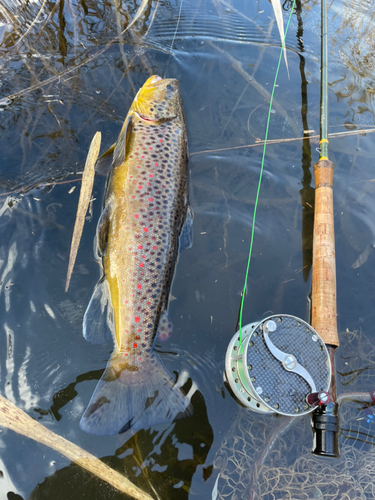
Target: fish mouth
155	122
156	81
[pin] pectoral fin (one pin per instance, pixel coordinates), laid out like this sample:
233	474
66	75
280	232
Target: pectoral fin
119	153
102	233
104	163
116	154
165	328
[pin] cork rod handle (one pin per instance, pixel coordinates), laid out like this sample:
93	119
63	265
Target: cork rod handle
323	300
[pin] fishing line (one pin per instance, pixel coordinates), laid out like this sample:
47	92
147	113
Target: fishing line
261	174
174	38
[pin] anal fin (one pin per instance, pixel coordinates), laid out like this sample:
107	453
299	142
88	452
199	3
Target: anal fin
165	328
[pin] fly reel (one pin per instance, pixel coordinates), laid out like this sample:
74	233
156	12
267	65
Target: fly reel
282	366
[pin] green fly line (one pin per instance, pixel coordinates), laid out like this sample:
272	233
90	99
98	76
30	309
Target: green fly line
261	173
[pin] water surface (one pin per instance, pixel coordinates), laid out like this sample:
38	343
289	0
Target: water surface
72	73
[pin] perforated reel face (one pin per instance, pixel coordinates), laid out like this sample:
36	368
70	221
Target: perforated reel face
283	361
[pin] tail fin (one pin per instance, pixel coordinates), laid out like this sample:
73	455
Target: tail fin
131	397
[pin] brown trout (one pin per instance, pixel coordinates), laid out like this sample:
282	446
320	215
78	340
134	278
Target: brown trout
146	217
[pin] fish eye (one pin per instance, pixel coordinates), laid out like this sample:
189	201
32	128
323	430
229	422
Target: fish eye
170	88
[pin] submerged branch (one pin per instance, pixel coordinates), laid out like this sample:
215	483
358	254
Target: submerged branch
237	66
15	419
291	139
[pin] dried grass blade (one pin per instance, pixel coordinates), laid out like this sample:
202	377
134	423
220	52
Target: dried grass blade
276	4
83	203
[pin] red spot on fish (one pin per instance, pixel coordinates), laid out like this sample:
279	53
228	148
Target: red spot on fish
150	149
151	175
126	354
153	238
154	248
137	319
127	228
130	177
142	156
150	200
142	274
139	187
132	294
139	359
145	229
160	140
133	196
148	303
139	287
141	264
156	164
136	149
163	186
126	301
135	345
139	331
136	216
126	331
138	166
140	247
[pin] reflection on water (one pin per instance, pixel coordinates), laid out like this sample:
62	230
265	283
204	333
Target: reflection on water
69	69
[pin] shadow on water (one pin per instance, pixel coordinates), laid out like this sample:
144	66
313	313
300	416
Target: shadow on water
69	69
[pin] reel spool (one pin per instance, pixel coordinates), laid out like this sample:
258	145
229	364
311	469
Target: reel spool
284	367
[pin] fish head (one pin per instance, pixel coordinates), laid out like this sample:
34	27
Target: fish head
158	100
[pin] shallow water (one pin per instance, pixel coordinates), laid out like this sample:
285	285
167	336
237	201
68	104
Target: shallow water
225	57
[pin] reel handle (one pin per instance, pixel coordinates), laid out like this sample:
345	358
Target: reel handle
326	427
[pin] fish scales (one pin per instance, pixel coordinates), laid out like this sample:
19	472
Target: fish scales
145	208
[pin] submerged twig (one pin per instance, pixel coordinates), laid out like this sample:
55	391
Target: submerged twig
31	25
259	60
138	14
54	78
237	66
83	203
15	419
291	139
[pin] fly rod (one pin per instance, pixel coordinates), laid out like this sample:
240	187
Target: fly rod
282	364
323	295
